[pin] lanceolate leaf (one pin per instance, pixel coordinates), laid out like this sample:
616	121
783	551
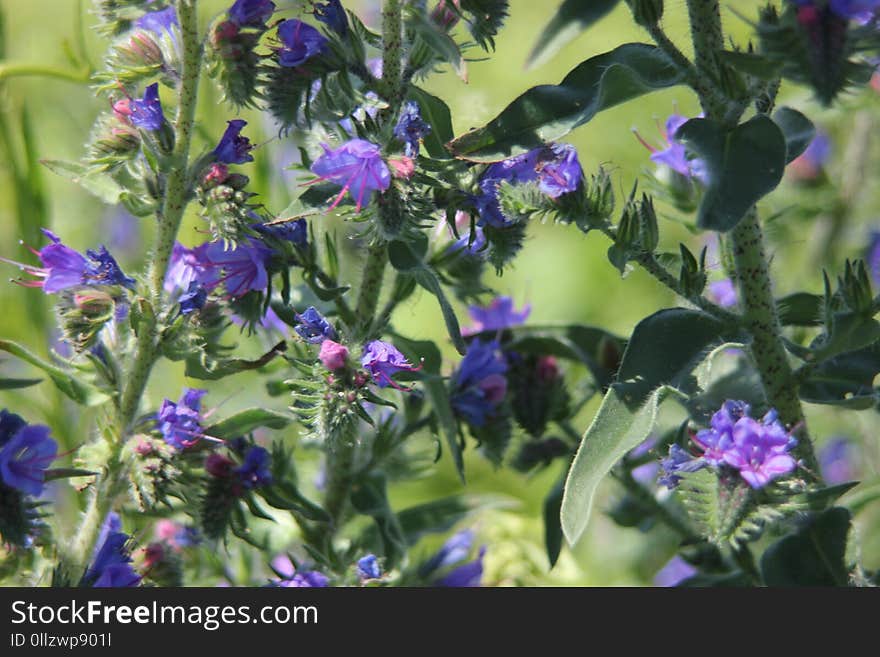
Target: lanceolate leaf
99	184
549	112
246	421
435	388
572	18
743	165
663	351
435	112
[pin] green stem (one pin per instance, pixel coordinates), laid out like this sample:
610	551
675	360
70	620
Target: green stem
669	517
112	484
392	51
705	19
371	288
20	69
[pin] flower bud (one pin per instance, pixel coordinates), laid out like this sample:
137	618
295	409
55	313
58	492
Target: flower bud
333	355
646	13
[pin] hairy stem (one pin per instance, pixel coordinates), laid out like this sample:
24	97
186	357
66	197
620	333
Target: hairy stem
705	19
111	485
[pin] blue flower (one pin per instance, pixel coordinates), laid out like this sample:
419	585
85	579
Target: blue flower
674	572
479	384
466	575
243	268
723	292
26	455
497	316
233	147
305	579
104	270
678	460
848	9
193	299
251	13
368	567
809	164
332	14
383	360
255	471
454	551
146	112
188	266
158	21
313	327
411	128
560	173
872	256
838	461
181	422
295	232
111	564
357	166
300	42
10	424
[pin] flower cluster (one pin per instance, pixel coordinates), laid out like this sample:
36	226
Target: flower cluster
861	10
759	451
357	166
181	423
383	360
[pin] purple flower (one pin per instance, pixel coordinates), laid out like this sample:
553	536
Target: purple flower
719	438
300	42
452	553
255	471
233	147
295	232
193	299
158	21
243	268
357	166
411	128
25	456
146	112
723	292
853	9
497	316
368	567
305	579
186	267
872	256
838	461
313	327
555	168
808	165
181	422
10	424
674	155
479	384
466	575
674	572
104	270
111	565
332	14
383	360
678	460
251	13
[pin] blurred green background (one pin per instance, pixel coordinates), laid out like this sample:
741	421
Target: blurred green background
562	273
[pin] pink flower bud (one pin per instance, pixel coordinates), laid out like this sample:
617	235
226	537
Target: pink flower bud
402	167
548	369
217	174
333	355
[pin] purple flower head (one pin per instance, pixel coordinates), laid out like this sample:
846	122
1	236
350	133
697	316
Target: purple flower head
295	232
181	422
104	270
723	292
332	14
368	567
674	572
383	360
193	299
146	112
466	575
872	256
251	13
313	327
838	461
861	10
188	266
358	167
25	457
479	383
255	471
456	549
555	167
233	147
300	42
716	441
497	316
305	579
678	460
411	128
158	21
674	155
10	424
111	565
243	268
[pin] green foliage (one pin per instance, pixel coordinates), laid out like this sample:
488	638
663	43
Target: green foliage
572	18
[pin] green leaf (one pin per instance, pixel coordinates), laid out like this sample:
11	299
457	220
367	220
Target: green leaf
66	473
800	309
846	380
14	384
408	255
812	556
201	366
437	113
797	129
245	421
435	388
552	524
850	331
428	280
424	350
744	164
370	497
99	184
287	497
659	358
751	64
79	391
443	45
549	112
572	18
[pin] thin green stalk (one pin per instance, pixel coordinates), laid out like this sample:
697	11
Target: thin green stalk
22	69
112	484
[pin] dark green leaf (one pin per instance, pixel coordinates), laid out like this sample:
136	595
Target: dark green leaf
845	380
435	112
572	18
13	384
752	64
443	45
812	556
743	164
435	388
67	382
428	280
407	255
423	350
797	129
850	331
246	421
800	309
65	473
370	497
661	354
552	526
549	112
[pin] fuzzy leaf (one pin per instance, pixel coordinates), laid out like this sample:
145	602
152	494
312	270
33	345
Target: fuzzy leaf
99	184
663	351
549	112
245	421
846	380
428	279
572	18
552	526
743	164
